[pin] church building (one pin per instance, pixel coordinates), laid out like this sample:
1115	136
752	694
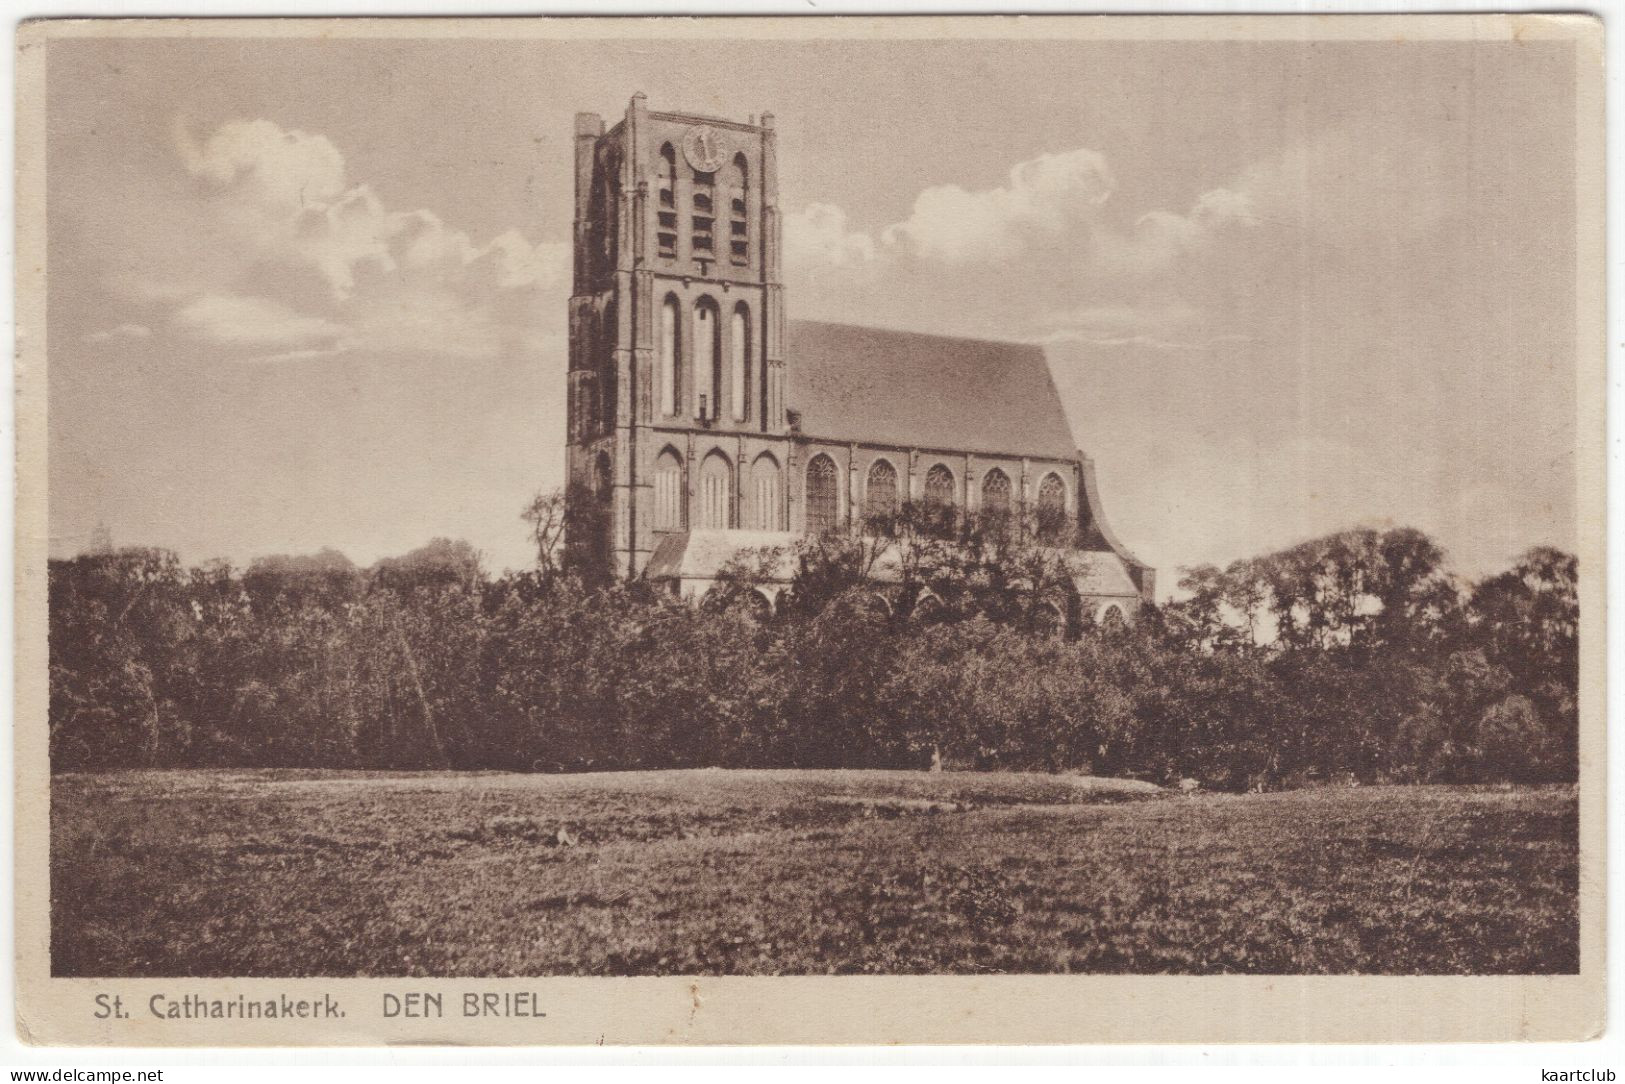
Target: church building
702	420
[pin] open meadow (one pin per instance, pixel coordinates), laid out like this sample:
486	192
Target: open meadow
304	873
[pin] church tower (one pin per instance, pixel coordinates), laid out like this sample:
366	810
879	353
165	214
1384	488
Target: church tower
688	446
676	412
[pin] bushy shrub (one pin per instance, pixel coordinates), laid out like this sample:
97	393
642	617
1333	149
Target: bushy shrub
1515	744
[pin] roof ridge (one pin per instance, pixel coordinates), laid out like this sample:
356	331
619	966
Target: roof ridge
1006	343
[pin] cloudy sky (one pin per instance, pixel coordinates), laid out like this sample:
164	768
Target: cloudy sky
313	293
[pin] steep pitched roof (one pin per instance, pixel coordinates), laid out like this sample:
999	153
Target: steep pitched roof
701	554
902	387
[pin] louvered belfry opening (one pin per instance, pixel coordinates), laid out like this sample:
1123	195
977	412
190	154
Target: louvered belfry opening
738	212
666	183
703	221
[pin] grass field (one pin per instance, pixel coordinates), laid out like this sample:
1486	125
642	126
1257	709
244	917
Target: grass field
280	873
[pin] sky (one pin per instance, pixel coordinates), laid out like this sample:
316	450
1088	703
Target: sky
313	293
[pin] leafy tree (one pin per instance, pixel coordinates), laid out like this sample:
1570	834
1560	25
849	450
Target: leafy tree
440	563
1355	655
545	521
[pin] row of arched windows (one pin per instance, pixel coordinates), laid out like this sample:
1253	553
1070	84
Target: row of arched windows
704	216
763	499
716	363
761	494
882	496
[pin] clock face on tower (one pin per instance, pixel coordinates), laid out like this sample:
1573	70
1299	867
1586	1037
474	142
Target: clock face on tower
703	148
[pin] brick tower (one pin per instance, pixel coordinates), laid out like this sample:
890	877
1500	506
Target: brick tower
676	333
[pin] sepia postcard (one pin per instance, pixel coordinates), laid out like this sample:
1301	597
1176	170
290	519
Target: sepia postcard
810	530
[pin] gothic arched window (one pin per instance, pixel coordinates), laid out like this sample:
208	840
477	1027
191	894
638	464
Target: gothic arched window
996	493
670	377
766	498
823	499
707	359
1052	509
880	494
666	184
716	478
739	363
668	508
1112	621
738	211
939	498
702	224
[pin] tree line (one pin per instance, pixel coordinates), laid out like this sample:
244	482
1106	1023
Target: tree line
1355	656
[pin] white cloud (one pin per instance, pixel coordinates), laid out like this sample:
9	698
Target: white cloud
818	236
286	168
397	281
1159	240
1046	197
232	320
1026	252
123	332
1053	208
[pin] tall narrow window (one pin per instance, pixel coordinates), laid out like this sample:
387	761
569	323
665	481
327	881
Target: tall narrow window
668	509
766	499
738	212
666	182
715	477
1052	509
880	495
606	363
702	225
670	377
739	363
823	502
996	493
939	498
707	359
